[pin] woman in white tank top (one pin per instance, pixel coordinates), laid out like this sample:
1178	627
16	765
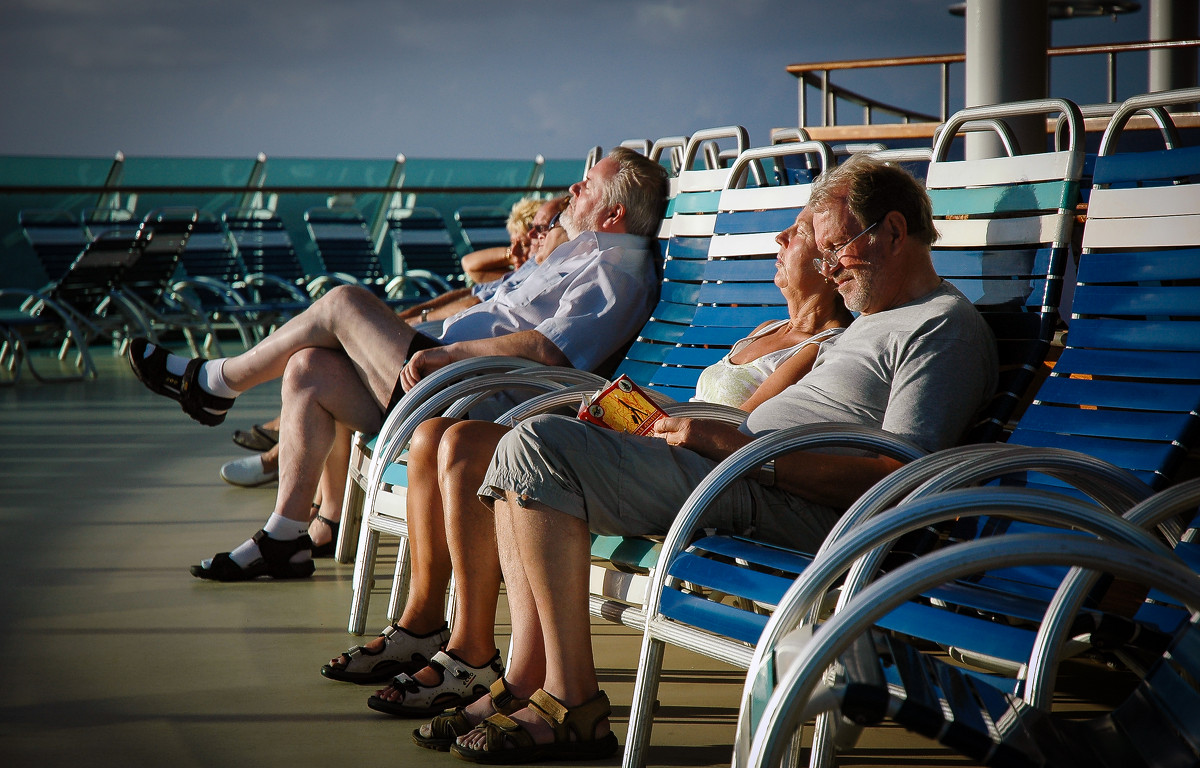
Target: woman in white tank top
779	353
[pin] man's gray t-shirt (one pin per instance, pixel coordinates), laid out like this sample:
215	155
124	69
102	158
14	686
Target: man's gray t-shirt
919	371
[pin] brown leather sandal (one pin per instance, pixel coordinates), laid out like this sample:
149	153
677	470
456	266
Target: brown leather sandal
448	726
507	742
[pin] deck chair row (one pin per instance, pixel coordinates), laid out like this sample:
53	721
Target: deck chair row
1132	333
118	287
742	266
1041	289
739	272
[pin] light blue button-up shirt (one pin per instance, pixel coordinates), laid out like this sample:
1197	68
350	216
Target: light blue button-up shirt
588	298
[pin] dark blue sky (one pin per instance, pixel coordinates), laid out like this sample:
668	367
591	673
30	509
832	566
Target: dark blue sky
452	78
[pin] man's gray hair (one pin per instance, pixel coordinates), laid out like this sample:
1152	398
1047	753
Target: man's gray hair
871	189
641	185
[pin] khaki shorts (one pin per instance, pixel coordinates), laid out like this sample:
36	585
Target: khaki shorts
627	485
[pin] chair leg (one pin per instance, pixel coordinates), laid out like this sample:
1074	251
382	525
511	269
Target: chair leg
352	503
364	567
822	755
641	709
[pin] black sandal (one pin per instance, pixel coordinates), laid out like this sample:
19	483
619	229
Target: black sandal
152	371
200	404
275	562
326	549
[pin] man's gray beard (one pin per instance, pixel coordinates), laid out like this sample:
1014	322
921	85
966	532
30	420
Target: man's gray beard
574	228
568	224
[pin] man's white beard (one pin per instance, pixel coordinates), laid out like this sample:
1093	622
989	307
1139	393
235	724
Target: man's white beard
573	227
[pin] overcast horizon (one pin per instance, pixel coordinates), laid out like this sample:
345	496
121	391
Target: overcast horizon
459	78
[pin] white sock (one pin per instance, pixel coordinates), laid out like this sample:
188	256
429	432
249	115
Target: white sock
212	379
277	527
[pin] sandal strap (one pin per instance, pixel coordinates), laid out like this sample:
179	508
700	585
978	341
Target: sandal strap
503	700
549	708
501	730
459	670
193	397
449	725
277	551
456	678
581	719
331	523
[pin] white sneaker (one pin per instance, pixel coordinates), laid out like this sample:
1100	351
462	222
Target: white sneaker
247	472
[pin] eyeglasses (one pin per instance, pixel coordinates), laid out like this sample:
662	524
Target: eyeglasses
828	260
538	230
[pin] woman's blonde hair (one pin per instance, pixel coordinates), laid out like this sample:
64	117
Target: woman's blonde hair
520	218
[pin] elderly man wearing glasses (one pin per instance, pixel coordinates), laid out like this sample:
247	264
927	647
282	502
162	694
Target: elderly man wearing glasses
348	359
918	361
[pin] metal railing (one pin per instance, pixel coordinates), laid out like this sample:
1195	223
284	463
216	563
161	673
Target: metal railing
817	76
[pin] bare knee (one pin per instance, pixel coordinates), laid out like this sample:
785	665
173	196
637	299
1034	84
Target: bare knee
470	443
426	439
341	298
303	372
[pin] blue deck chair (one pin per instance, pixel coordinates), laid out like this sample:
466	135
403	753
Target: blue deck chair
736	294
212	269
345	246
425	246
1125	388
219	286
483	226
368	460
1155	725
110	291
692	216
1005	227
71	312
144	286
274	273
56	237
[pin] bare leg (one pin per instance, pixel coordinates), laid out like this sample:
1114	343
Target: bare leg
320	389
347	318
332	486
270	458
425	610
545	562
465	449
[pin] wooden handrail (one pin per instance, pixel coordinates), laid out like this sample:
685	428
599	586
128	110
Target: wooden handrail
958	58
816	74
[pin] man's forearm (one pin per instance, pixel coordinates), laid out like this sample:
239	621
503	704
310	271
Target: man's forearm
530	345
438	302
832	480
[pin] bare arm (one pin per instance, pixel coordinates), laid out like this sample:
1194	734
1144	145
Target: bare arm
530	345
788	373
441	307
835	481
